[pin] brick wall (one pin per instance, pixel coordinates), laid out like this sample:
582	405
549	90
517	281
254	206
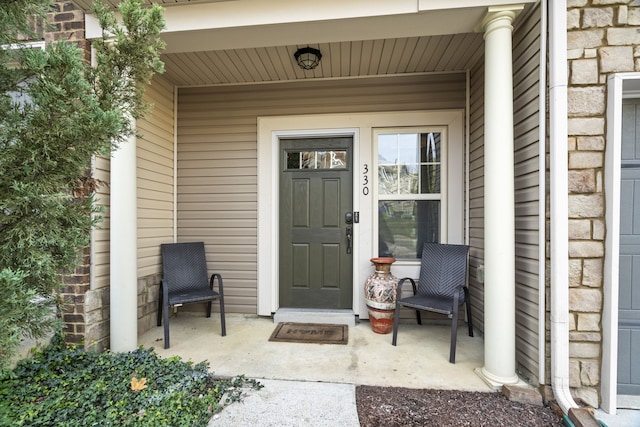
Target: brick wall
603	38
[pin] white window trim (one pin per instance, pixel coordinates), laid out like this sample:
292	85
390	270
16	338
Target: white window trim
360	126
620	86
442	196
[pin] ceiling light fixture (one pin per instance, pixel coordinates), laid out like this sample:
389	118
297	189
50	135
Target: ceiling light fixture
307	58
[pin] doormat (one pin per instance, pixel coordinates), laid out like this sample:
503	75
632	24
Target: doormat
316	333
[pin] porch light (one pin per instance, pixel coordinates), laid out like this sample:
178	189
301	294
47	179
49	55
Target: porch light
307	58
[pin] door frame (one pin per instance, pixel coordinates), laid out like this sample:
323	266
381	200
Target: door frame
620	86
359	126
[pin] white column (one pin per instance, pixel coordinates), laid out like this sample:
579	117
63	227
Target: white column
499	200
123	252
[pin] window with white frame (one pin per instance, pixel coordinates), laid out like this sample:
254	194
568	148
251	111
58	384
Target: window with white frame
410	190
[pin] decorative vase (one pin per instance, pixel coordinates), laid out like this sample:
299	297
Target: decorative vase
380	295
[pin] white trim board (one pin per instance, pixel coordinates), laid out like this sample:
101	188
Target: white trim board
360	126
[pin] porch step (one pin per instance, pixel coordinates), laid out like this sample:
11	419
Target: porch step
314	315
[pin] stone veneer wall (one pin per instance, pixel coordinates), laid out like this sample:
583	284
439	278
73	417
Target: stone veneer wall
603	38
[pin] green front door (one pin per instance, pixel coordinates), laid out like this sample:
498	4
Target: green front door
316	233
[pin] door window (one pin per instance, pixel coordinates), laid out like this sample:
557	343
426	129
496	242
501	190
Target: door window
409	188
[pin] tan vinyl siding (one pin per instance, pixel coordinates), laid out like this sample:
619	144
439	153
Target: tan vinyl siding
155	177
154	187
526	65
476	192
217	156
100	241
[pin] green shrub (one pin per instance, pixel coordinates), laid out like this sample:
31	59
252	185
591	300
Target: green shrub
68	386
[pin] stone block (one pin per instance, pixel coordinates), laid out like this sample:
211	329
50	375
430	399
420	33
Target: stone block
576	3
590	143
579	126
585	300
586	159
633	16
575	272
586	206
585	336
627	36
590	53
573	19
93	317
616	59
584	71
589	322
597	17
572	322
598	230
575	54
579	229
589	373
527	395
93	300
622	16
97	332
574	373
585	39
586	101
584	350
592	273
582	181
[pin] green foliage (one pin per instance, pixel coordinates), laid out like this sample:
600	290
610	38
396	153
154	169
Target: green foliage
56	113
67	386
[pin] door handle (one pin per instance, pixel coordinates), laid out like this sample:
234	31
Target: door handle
349	236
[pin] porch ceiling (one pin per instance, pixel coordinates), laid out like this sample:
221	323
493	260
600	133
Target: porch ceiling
211	42
442	53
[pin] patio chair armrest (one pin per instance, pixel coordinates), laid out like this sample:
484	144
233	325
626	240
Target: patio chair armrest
213	277
401	282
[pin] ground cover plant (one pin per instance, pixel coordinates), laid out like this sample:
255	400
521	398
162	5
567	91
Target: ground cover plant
68	386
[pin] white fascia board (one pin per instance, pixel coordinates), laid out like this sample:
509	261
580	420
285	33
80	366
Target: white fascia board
428	5
248	13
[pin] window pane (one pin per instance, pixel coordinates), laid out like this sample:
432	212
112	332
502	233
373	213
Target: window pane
388	149
316	159
387	180
405	225
430	179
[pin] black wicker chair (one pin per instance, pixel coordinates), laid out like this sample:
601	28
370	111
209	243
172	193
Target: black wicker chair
441	288
184	281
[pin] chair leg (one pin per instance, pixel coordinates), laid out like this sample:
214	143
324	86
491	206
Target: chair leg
166	328
222	321
209	309
454	333
166	309
467	303
160	306
396	322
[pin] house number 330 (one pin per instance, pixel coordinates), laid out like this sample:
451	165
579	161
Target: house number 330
365	180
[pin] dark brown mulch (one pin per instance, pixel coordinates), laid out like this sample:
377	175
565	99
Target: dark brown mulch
395	406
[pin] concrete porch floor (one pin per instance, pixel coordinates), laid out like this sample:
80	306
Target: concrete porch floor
420	360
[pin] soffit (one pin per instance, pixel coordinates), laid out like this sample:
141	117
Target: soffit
445	53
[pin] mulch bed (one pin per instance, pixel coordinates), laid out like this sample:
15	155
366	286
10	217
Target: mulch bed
395	406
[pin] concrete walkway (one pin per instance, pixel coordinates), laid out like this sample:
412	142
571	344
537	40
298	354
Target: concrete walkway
293	404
